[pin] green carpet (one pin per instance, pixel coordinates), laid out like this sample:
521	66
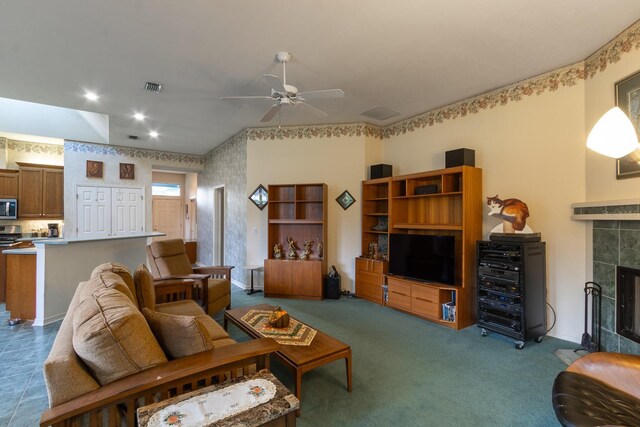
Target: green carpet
411	372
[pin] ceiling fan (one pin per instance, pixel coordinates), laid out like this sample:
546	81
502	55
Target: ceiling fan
284	94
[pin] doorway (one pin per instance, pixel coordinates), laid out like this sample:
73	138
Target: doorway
167	217
218	225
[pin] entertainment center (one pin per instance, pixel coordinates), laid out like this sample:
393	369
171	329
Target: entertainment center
425	227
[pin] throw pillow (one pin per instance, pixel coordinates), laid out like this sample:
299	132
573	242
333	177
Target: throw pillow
145	290
178	335
112	337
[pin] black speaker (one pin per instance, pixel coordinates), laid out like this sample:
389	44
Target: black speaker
380	171
332	287
460	157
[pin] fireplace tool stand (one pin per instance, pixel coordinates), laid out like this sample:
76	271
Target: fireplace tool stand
591	343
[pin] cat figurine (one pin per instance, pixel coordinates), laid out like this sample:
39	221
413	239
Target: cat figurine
512	212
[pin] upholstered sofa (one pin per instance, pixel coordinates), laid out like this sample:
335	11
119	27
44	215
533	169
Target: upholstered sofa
117	350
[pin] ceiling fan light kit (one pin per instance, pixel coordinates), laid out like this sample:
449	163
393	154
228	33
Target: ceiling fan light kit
284	94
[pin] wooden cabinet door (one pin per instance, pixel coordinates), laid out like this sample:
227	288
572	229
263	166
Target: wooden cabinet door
30	193
277	277
9	184
306	278
53	193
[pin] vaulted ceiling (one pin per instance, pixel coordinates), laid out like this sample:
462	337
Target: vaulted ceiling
407	56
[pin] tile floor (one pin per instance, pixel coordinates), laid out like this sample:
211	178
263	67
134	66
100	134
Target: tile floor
23	348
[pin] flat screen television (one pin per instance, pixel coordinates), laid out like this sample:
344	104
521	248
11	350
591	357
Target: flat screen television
423	257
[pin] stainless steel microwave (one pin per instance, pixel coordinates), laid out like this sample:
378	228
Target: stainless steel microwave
8	209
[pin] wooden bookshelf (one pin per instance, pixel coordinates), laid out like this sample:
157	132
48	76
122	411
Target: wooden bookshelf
297	211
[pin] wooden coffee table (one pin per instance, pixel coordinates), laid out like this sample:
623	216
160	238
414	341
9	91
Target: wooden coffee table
322	350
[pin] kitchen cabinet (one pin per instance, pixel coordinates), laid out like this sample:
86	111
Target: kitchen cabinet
9	183
40	191
109	211
21	285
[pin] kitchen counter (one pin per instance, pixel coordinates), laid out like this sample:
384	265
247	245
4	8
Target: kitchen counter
63	263
21	251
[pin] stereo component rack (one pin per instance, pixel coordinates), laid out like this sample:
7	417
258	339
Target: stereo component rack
512	288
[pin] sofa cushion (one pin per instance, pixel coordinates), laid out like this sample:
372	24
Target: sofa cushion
191	308
119	269
112	337
105	280
144	286
178	335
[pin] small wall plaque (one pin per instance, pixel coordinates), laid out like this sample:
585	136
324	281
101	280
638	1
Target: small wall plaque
260	197
94	169
127	171
345	200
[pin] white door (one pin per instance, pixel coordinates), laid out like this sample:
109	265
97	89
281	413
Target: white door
93	212
167	217
127	207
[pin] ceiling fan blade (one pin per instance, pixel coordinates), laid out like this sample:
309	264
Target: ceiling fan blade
312	110
317	94
247	97
274	82
270	114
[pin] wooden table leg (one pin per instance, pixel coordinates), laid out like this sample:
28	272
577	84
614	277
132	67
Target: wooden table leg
348	365
225	323
299	389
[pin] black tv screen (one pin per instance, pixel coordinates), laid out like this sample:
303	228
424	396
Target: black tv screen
423	257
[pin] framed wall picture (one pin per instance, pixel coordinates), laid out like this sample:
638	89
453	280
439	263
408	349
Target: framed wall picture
94	169
628	100
127	171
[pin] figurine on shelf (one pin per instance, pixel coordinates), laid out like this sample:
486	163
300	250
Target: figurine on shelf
292	254
307	249
320	249
373	251
277	251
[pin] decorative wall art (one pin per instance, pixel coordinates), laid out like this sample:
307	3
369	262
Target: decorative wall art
94	169
260	197
127	171
345	200
628	100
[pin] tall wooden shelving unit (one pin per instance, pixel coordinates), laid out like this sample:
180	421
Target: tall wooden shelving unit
297	211
452	207
376	194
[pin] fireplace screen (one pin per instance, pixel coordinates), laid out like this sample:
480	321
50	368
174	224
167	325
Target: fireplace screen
628	303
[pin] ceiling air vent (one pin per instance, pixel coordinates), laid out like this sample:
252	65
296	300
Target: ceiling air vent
134	137
380	113
152	87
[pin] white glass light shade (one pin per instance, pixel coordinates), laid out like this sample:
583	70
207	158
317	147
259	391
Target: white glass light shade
613	135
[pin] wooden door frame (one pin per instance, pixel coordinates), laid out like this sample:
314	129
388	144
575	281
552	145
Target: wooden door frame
218	211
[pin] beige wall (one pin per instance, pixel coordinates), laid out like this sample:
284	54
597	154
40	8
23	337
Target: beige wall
338	162
600	97
532	150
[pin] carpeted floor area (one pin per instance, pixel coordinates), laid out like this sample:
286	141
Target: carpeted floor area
410	372
406	371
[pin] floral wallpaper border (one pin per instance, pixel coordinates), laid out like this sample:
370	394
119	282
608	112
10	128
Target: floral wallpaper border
320	131
34	147
239	137
110	150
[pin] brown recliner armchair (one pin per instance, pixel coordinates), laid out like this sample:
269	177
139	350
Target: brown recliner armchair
168	260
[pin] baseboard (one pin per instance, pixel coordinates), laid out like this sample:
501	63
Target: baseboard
48	320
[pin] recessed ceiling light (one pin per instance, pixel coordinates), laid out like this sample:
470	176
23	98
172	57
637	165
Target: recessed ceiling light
153	134
139	116
91	96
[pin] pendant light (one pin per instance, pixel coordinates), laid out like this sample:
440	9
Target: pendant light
613	135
